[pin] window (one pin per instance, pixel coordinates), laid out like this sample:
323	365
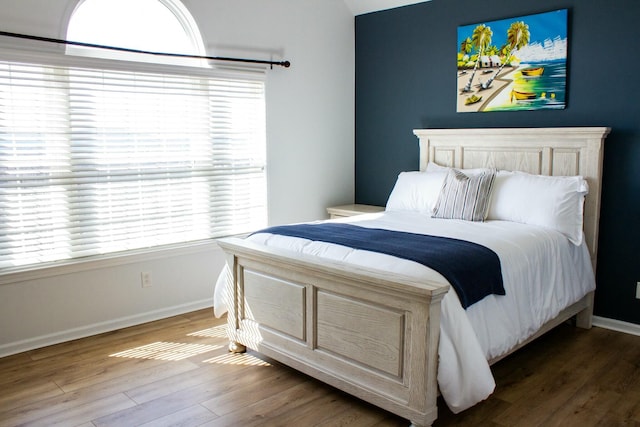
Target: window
102	156
167	27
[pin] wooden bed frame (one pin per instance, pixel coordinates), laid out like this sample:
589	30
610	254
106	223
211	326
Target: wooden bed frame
373	334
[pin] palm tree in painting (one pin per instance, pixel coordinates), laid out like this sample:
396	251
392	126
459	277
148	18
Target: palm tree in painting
518	36
481	38
466	46
492	50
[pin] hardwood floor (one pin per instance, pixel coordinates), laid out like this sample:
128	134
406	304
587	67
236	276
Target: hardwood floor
177	372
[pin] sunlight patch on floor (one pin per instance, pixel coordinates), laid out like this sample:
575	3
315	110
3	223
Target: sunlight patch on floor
214	332
237	359
166	351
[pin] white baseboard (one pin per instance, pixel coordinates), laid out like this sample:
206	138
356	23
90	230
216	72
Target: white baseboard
616	325
98	328
124	322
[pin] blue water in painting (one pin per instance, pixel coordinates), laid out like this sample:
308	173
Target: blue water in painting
549	88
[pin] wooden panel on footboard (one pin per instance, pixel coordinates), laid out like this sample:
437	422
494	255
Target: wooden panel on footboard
367	332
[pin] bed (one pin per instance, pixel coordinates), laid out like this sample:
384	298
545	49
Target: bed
386	331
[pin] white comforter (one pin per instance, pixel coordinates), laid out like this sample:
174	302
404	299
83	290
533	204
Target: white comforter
542	272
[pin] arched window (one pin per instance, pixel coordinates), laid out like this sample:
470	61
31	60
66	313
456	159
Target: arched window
104	156
149	25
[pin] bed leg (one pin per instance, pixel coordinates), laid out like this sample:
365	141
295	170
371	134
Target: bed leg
585	317
236	347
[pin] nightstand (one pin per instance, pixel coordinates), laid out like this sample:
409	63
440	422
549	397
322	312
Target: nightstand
351	210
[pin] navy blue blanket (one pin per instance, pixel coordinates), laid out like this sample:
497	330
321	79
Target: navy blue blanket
473	270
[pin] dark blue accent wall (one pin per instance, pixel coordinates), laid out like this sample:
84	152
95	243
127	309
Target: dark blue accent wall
405	79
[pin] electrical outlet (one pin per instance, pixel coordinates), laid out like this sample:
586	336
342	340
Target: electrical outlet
638	290
145	278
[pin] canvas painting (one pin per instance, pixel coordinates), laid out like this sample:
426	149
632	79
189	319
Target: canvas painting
513	64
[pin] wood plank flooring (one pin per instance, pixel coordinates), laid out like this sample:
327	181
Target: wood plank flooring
177	372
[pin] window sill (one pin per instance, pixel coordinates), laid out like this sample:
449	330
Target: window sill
103	261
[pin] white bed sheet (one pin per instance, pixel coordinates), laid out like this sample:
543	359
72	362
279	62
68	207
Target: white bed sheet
542	273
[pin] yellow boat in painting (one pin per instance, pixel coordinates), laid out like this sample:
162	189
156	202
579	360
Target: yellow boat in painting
472	99
532	72
522	96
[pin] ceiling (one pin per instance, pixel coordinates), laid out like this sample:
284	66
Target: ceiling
359	7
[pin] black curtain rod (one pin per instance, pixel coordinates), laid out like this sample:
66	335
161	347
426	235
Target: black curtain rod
285	64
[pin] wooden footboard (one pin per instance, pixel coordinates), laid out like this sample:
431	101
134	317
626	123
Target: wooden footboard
369	333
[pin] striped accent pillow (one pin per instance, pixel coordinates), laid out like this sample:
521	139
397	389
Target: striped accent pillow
465	196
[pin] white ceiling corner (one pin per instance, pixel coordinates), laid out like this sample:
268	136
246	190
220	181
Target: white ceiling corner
359	7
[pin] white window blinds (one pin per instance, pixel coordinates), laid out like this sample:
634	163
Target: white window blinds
96	161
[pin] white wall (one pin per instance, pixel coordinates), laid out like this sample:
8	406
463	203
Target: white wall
310	137
359	7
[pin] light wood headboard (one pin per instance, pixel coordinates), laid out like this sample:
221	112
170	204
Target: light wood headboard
544	151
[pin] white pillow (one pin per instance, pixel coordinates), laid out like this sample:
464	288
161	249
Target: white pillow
555	202
416	191
434	167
